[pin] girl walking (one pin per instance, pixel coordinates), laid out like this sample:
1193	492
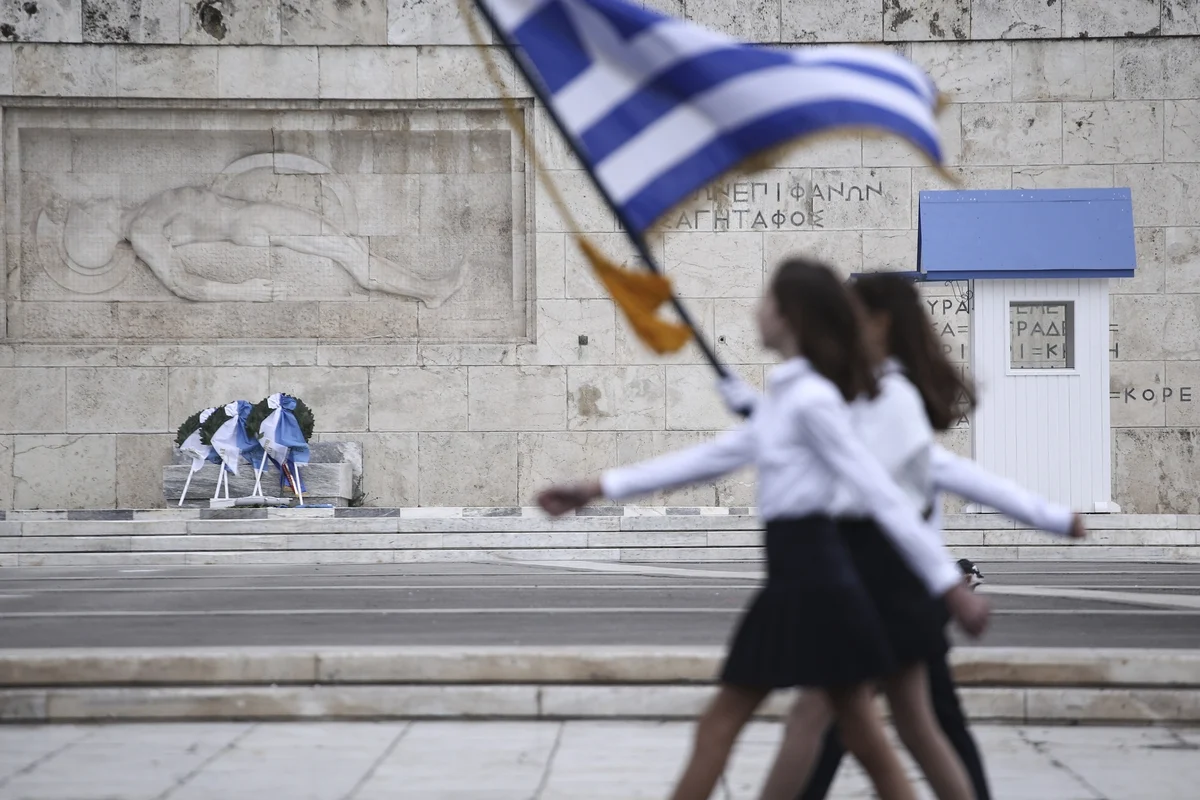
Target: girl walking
963	477
813	623
900	338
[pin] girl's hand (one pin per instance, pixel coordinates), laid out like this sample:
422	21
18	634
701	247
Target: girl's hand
558	500
1078	531
968	609
739	396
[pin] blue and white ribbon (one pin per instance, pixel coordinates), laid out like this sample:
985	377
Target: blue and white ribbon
231	442
281	437
198	450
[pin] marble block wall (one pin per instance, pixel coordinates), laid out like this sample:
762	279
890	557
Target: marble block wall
205	200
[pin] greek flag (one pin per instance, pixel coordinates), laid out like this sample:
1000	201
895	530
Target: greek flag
660	107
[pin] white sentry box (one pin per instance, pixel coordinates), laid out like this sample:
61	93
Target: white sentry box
1040	263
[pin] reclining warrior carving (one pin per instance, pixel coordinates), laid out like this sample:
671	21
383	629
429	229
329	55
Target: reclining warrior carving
171	220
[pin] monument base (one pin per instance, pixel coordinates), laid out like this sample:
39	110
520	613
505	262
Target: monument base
333	476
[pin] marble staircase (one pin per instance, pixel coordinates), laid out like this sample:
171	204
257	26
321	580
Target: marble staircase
187	536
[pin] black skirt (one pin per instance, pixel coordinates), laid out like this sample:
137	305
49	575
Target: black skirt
812	623
913	620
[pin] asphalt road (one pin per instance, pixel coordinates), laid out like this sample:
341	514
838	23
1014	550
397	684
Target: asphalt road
568	603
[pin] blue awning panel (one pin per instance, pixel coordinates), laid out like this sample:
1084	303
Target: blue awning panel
1018	234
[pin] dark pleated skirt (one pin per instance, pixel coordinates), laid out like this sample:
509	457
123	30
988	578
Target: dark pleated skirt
913	620
812	623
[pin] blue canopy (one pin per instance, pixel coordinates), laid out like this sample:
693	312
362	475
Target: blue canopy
1018	234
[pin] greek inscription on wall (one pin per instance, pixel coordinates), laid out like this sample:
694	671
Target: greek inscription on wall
1167	394
797	205
952	324
1041	336
950	317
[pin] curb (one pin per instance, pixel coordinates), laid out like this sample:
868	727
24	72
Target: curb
540	702
1005	685
973	666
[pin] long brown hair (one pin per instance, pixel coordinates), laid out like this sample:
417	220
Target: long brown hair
911	341
818	311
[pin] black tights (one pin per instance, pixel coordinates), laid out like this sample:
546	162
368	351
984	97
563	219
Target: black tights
950	716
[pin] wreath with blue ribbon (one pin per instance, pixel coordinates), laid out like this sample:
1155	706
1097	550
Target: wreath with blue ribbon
262	410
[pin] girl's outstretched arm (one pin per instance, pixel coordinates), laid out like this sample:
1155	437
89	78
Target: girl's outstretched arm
704	462
965	478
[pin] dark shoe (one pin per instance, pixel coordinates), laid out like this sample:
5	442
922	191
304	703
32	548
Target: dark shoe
970	572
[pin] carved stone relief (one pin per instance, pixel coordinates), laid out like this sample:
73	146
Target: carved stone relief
418	213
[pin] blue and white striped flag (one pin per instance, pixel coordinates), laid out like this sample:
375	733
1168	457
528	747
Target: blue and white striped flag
660	107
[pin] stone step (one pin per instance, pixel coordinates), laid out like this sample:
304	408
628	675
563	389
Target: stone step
320	536
1181	530
591	518
169	536
249	538
1014	685
546	664
536	702
629	555
252	537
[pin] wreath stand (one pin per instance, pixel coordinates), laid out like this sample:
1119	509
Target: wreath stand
203	426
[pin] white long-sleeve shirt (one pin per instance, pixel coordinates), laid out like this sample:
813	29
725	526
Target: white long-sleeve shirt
888	426
965	478
801	438
895	428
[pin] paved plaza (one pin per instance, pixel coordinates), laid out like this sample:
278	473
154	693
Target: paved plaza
1102	605
528	761
503	603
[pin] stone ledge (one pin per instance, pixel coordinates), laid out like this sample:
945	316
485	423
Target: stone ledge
652	517
973	666
570	532
159	666
269	703
89	685
120	554
164	537
327	484
482	701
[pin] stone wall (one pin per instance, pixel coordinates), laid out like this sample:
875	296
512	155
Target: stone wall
332	161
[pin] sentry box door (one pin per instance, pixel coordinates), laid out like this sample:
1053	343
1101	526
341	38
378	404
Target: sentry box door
1040	264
